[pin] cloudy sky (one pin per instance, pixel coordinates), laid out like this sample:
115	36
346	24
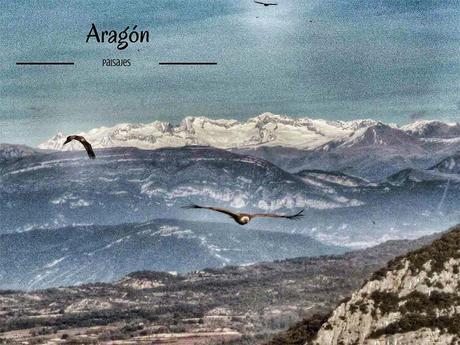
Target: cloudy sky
394	61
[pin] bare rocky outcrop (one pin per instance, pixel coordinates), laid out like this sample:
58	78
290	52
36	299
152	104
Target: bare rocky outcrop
414	300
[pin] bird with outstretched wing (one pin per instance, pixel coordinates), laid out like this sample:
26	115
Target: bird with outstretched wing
86	144
244	218
266	3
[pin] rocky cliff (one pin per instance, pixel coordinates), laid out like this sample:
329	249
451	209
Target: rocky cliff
414	300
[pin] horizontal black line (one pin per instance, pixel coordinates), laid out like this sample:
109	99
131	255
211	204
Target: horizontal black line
45	63
188	63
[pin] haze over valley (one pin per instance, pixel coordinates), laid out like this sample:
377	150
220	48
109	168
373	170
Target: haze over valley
361	183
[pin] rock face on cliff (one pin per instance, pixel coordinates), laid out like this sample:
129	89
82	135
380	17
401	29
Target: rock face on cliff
414	300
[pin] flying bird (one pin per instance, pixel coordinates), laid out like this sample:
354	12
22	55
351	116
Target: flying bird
265	3
245	218
82	140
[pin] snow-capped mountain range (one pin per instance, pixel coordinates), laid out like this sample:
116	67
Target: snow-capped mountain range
366	148
264	130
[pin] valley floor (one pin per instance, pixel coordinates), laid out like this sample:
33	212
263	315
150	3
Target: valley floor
234	305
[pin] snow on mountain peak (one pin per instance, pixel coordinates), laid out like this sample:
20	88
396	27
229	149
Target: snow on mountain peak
266	129
54	143
381	134
432	129
358	124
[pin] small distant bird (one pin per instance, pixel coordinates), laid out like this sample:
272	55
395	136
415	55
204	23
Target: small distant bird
82	140
373	222
244	218
265	3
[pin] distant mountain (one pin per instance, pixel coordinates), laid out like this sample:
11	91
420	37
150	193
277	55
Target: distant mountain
384	136
398	207
10	151
448	170
372	151
432	129
449	165
373	163
416	175
365	148
55	190
130	185
75	255
264	130
414	300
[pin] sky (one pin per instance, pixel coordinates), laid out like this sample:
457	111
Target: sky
394	61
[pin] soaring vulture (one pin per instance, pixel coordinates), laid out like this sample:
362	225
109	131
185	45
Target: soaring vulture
82	140
265	3
245	218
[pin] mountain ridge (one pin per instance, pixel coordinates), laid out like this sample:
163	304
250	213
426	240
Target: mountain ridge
266	129
58	189
45	258
145	183
367	148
